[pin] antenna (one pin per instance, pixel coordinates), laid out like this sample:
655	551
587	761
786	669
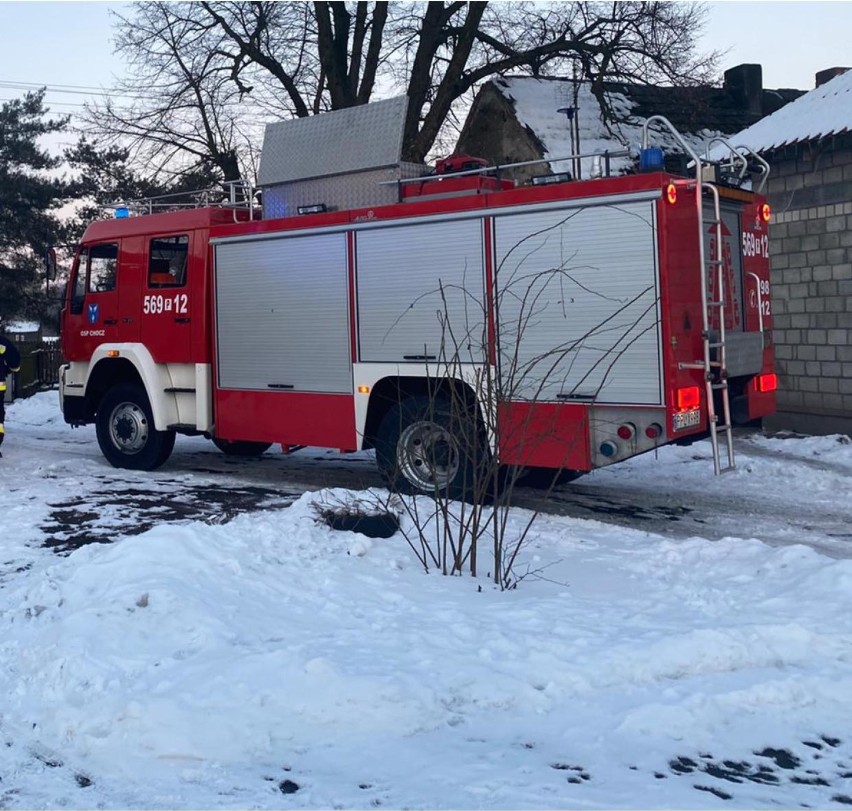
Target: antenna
574	135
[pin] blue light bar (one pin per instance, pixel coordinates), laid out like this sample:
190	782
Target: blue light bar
651	159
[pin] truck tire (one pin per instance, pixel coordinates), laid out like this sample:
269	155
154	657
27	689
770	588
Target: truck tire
126	433
239	448
423	448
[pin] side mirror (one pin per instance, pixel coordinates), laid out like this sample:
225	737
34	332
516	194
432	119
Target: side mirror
50	264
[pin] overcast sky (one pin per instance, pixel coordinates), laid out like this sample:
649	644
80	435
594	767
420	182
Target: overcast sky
59	44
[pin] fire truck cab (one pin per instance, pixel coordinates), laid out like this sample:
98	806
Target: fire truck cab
579	323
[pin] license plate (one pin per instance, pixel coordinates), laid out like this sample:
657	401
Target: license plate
687	419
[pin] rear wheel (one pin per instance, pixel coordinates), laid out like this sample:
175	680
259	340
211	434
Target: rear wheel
239	448
423	447
126	433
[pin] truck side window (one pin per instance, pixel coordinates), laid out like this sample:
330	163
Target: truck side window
103	266
78	294
167	262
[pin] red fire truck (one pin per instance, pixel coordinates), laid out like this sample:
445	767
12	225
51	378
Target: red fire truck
581	322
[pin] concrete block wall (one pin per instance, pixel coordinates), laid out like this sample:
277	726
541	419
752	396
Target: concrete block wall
810	191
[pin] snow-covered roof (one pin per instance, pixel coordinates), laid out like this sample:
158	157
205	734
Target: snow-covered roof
536	104
22	326
824	111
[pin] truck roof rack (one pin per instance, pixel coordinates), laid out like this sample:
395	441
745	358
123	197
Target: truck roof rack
238	195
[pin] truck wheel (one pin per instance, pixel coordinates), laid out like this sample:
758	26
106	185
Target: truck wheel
422	447
126	433
238	448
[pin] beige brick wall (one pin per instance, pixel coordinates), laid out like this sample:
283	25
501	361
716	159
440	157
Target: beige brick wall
811	258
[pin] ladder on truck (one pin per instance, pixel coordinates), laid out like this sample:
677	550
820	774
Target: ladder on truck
714	360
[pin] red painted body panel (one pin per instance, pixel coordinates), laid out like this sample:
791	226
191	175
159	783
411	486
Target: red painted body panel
554	435
680	302
170	336
171	221
289	418
424	207
756	260
444	185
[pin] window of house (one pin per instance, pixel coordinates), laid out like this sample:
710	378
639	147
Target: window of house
103	267
167	261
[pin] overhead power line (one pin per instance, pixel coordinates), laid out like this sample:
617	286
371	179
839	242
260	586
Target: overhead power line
77	90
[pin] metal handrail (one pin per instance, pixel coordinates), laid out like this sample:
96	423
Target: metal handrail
699	203
763	165
735	155
239	197
622	153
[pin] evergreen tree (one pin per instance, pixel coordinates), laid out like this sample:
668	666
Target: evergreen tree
30	194
104	178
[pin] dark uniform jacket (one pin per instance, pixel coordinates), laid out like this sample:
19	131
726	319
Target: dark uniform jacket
10	361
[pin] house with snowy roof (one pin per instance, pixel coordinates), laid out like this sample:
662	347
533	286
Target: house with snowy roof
516	119
23	331
808	145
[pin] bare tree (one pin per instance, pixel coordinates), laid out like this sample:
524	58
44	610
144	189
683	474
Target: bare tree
558	332
180	107
200	70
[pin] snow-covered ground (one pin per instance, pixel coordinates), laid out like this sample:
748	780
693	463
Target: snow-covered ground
259	659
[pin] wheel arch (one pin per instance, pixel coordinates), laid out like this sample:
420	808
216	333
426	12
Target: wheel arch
131	363
391	390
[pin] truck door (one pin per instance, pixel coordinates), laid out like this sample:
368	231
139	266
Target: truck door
100	300
732	269
167	305
743	348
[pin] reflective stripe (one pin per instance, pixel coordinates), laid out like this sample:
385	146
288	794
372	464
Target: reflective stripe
16	369
2	387
2	349
2	429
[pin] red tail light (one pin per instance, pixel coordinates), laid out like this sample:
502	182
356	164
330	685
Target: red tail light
688	398
626	431
766	382
654	430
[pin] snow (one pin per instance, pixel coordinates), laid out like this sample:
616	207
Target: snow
824	111
22	326
536	104
202	664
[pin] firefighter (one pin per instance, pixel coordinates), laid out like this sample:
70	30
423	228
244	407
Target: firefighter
10	361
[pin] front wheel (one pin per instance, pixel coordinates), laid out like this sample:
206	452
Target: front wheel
126	433
426	446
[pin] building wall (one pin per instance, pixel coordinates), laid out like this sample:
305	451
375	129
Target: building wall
810	190
492	131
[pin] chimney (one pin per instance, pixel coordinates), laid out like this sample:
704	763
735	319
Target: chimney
828	74
745	84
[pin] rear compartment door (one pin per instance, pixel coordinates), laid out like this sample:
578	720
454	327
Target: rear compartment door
743	349
282	315
577	293
421	292
732	266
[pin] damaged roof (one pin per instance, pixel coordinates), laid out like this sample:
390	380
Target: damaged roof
699	113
